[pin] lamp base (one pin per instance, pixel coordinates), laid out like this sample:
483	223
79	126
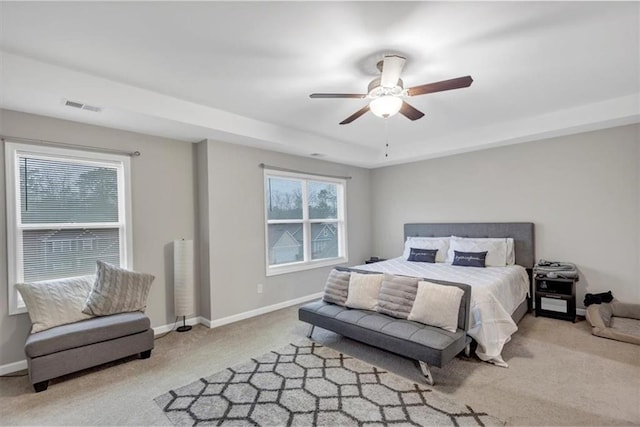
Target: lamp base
184	327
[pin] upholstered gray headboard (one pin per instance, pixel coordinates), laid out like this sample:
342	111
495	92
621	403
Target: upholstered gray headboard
521	232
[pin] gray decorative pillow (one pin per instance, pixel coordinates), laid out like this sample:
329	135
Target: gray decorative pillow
57	302
397	294
117	290
337	287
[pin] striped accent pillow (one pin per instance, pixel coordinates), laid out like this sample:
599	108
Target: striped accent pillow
117	290
396	296
337	287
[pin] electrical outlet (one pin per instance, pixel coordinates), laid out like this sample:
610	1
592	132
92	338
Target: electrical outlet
259	288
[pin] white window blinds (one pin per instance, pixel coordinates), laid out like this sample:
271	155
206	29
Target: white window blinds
58	191
68	215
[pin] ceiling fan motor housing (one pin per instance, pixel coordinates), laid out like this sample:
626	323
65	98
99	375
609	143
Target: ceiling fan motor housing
375	90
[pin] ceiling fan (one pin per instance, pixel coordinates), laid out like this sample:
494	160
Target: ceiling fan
386	92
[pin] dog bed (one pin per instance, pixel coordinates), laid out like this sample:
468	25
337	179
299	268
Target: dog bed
616	320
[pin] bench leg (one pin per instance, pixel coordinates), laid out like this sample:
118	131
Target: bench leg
145	354
311	328
426	372
41	386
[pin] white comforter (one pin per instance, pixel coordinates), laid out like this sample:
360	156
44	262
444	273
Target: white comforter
495	294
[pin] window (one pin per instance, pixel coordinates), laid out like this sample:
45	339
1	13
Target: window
65	210
305	221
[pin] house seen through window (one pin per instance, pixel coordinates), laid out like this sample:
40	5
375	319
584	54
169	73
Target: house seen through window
305	225
66	209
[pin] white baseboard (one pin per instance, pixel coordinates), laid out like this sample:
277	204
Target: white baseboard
22	364
258	311
10	368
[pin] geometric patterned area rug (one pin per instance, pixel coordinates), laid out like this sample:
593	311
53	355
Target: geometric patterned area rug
311	385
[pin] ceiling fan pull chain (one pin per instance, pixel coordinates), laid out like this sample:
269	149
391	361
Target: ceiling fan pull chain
386	134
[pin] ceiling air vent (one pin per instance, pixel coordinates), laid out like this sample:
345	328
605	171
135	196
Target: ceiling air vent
73	104
91	108
81	106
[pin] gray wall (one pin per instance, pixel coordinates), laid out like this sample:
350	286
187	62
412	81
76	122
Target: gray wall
202	236
163	209
581	191
236	221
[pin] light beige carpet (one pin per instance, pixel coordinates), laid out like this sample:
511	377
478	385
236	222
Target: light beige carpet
559	374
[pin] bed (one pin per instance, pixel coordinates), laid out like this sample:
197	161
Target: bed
500	296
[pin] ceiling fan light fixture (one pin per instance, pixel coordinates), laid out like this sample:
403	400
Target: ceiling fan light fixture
386	93
385	106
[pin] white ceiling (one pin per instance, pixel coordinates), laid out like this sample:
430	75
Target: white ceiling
242	71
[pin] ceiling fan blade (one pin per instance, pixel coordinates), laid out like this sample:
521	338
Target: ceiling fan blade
337	95
410	112
391	69
355	115
456	83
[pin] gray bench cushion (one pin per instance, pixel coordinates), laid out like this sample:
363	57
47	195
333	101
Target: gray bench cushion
412	339
86	332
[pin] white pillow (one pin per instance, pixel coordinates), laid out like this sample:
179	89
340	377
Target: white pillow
364	290
437	305
496	249
56	302
439	243
511	251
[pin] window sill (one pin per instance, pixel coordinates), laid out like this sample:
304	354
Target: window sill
18	310
292	268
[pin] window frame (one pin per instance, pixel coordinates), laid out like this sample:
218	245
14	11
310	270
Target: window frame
122	163
307	263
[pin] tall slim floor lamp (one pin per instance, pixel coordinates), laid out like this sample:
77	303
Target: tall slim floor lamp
183	281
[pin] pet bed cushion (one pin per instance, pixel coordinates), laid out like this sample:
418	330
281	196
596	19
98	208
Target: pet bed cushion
616	320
